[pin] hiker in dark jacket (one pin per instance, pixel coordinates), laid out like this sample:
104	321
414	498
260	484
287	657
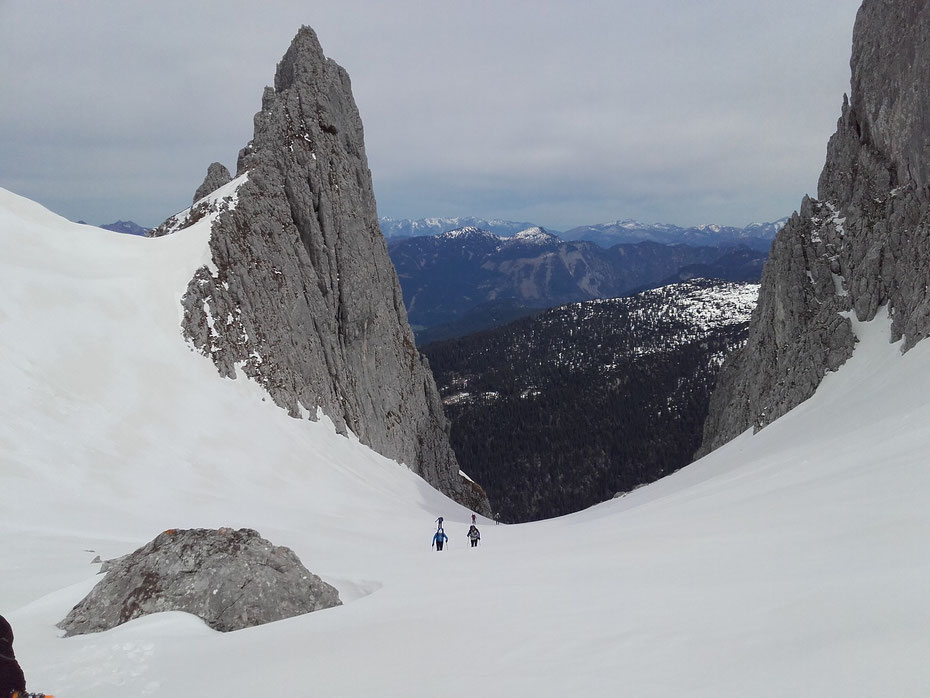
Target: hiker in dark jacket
474	536
11	675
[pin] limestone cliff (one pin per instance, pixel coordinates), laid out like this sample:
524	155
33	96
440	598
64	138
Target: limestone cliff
302	296
217	176
861	246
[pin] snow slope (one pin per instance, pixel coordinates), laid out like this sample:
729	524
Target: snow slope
793	562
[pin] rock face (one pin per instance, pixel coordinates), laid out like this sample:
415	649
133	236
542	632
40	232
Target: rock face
230	579
217	176
303	297
862	246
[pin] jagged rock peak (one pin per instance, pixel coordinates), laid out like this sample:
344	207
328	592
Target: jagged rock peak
217	176
891	81
302	296
863	246
301	62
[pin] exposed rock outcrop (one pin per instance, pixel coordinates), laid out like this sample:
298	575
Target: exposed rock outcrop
302	296
230	579
217	176
862	246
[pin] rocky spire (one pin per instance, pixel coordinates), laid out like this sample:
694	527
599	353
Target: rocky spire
217	176
861	246
303	297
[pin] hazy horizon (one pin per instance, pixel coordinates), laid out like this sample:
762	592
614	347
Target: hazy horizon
549	112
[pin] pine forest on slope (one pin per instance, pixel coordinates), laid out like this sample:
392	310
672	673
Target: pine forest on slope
555	413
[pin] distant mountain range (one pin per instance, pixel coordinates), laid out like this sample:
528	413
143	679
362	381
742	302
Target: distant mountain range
470	279
755	235
561	411
408	228
758	236
127	227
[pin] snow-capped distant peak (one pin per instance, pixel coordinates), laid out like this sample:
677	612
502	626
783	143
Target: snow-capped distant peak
469	232
536	236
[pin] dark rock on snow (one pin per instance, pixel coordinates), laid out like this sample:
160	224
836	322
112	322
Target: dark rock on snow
863	246
230	579
217	176
306	299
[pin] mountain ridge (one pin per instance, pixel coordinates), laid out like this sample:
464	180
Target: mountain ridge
756	235
446	277
300	294
861	248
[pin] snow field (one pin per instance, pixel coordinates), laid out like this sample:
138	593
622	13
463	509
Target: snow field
791	562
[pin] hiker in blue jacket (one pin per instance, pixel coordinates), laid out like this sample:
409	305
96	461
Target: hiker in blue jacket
439	538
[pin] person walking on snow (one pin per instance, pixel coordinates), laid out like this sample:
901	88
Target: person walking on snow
474	536
439	524
472	519
11	674
439	538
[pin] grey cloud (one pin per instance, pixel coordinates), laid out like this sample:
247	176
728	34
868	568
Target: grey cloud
558	112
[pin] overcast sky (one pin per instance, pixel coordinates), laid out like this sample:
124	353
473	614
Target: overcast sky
561	113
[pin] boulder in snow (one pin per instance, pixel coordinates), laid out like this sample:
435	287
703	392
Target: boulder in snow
231	579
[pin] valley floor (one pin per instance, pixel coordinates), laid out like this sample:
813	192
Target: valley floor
793	562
